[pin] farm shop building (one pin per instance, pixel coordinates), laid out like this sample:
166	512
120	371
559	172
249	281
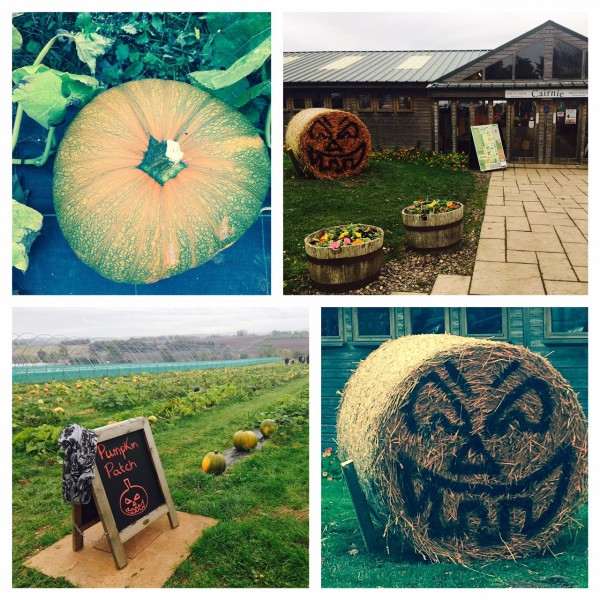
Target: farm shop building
534	87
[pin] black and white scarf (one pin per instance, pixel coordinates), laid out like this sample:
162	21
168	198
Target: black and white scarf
79	445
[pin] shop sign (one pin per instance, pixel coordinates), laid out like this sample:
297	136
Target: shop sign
562	93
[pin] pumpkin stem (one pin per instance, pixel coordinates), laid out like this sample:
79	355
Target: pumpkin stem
162	160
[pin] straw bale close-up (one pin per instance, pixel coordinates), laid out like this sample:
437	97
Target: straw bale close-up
328	143
466	448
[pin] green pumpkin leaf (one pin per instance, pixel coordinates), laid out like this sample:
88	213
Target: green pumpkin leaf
41	97
17	39
27	223
122	52
216	79
130	28
231	93
19	74
233	34
79	89
133	70
90	47
260	89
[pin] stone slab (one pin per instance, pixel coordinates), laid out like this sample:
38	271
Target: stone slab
490	249
521	256
493	229
451	284
506	279
581	272
150	568
566	288
517	224
537	242
556	267
577	253
570	234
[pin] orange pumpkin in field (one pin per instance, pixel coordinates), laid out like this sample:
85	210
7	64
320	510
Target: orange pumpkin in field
153	178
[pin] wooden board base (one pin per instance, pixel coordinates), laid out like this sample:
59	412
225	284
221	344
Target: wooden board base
150	568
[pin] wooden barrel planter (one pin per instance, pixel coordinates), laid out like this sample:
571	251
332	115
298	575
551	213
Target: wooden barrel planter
327	143
350	267
435	231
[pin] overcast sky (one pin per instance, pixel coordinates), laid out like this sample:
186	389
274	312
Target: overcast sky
484	28
125	323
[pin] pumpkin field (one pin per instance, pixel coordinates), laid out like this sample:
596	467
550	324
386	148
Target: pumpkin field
260	502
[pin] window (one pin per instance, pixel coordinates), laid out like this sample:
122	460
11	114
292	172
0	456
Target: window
371	324
404	103
567	61
425	320
567	324
484	322
503	69
318	101
481	112
298	102
364	102
332	325
475	77
529	62
337	100
384	102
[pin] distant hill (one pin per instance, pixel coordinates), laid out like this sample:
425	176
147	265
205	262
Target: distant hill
178	348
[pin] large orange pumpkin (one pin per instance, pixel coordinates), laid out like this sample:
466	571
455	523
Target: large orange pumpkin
154	177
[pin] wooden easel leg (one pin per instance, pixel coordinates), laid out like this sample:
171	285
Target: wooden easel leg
361	508
77	521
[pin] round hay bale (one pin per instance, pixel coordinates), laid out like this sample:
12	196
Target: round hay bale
328	143
467	448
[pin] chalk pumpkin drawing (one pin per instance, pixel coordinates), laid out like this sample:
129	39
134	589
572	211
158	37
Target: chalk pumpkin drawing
134	500
485	455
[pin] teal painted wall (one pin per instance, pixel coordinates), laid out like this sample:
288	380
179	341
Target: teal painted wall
523	326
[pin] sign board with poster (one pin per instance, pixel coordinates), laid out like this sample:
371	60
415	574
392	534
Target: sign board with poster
571	116
129	489
488	145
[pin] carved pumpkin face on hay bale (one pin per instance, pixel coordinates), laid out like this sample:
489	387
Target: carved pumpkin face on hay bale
328	143
474	449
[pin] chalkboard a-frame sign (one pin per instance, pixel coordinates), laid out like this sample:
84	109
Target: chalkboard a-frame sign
129	489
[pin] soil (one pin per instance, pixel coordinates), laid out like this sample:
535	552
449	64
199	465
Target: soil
416	272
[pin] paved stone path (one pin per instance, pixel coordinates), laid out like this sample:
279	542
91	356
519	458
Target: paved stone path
534	234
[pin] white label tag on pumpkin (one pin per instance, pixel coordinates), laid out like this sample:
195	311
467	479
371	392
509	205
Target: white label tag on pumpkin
173	152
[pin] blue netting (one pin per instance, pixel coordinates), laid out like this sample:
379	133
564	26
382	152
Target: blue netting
244	268
47	373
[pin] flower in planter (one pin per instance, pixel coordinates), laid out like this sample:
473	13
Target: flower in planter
422	207
347	235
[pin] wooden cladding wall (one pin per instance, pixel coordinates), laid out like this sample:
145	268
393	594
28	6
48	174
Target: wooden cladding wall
388	128
525	327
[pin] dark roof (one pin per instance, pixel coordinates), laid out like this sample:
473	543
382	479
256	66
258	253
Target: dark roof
406	66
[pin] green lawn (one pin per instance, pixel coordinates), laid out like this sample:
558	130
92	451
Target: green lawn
375	197
261	503
346	563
